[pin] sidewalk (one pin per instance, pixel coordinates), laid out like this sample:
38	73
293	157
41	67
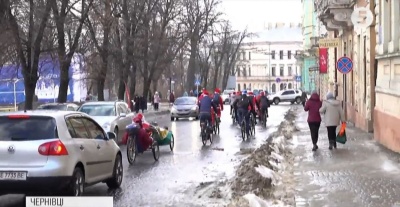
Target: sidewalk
358	174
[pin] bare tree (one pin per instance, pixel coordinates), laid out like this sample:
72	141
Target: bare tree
200	15
62	16
28	41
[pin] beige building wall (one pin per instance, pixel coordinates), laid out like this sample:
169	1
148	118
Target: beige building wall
387	110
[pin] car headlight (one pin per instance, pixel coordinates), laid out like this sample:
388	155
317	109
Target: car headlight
106	126
173	110
194	108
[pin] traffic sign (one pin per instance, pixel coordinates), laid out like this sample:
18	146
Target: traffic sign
278	80
344	65
297	78
197	82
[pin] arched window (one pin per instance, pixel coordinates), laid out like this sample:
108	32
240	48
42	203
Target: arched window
244	86
238	86
290	86
282	87
249	86
273	88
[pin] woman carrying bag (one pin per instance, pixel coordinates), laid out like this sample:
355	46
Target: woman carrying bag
333	117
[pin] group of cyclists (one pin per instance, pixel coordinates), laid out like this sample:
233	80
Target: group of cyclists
243	104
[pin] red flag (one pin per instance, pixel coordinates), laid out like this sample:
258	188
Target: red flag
323	60
128	98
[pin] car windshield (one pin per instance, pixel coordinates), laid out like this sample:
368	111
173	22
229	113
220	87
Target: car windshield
185	101
27	128
98	110
52	107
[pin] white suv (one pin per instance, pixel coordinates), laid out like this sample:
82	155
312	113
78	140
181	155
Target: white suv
56	151
291	95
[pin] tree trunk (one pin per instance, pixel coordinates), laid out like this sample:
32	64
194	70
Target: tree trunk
64	82
155	85
132	86
146	86
190	76
100	88
30	86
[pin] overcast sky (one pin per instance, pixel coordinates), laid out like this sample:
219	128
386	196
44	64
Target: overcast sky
254	13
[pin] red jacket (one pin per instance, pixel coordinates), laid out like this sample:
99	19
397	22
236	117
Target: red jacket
312	106
199	99
254	103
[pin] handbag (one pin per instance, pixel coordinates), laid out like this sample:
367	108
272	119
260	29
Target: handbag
341	136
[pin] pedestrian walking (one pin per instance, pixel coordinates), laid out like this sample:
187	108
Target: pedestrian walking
303	98
171	98
143	103
333	115
137	103
156	101
313	106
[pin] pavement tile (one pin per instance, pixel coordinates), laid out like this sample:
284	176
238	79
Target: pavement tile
359	173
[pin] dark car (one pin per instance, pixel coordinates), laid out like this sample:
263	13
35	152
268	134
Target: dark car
59	106
185	107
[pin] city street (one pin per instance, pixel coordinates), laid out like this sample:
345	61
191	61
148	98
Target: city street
178	178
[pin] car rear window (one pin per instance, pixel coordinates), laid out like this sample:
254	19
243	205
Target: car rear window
53	107
27	128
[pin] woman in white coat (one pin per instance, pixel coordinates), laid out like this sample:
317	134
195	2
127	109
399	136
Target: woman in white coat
333	116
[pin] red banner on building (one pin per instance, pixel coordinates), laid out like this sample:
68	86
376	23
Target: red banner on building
323	60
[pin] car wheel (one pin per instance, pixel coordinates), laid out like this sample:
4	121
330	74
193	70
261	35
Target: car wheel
177	118
77	185
197	117
298	100
276	101
172	118
118	173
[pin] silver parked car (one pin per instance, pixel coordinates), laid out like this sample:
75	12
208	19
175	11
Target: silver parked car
185	107
62	151
59	106
113	116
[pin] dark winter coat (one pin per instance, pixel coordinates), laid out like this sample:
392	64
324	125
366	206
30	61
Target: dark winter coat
312	106
137	103
143	103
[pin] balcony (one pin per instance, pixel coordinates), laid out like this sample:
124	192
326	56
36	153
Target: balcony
335	14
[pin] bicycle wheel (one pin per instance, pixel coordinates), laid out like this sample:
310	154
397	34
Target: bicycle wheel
264	119
243	130
217	126
203	136
156	151
253	127
131	150
210	137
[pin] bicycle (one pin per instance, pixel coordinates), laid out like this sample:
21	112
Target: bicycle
243	129
233	117
217	122
264	118
205	133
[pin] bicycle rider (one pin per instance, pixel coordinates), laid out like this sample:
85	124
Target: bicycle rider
205	105
252	98
238	96
263	104
243	105
232	98
218	102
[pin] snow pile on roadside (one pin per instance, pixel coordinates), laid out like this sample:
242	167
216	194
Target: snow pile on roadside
259	175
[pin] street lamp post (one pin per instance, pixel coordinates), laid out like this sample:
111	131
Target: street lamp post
15	94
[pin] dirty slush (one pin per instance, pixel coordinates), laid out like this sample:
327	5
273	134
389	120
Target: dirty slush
265	176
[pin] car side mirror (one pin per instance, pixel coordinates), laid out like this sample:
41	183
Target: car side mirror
122	114
111	135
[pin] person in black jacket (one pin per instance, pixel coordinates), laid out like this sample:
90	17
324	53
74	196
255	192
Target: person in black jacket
137	103
243	105
143	103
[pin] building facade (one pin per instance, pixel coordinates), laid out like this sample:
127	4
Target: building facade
355	89
308	57
268	61
387	90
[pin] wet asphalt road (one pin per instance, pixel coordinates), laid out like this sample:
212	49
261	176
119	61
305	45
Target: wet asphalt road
174	179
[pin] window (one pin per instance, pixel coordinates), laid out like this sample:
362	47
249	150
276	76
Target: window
70	108
95	131
273	54
288	92
281	71
289	54
120	109
273	69
79	128
27	128
290	72
249	55
290	86
244	55
281	54
99	110
249	71
238	71
244	71
273	88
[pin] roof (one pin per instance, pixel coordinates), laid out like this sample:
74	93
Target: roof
282	34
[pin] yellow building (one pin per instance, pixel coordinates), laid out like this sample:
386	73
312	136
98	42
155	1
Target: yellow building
356	89
387	110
